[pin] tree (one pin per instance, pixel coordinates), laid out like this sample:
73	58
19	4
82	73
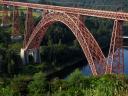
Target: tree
19	85
76	78
6	91
38	86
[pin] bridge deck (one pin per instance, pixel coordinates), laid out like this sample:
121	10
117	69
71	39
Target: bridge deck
88	12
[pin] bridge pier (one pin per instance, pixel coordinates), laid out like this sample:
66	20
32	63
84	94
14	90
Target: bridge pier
36	56
35	53
24	56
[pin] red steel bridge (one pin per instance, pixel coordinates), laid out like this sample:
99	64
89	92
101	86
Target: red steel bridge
72	18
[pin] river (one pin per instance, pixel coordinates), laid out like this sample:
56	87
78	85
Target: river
87	71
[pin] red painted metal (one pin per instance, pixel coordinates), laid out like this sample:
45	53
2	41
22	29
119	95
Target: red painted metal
72	18
16	24
90	47
5	17
80	11
28	25
116	53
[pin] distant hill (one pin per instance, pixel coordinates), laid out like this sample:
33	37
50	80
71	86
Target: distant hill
97	4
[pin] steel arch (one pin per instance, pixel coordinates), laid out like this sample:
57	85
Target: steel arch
89	45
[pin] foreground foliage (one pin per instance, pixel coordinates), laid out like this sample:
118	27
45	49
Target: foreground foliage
75	85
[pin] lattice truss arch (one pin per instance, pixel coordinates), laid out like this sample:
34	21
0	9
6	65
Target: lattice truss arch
90	47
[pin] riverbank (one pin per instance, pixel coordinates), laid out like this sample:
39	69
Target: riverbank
66	70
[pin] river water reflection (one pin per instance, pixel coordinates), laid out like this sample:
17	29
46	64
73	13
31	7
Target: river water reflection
87	71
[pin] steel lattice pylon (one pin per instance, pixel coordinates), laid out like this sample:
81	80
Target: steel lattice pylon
28	25
16	24
5	17
116	52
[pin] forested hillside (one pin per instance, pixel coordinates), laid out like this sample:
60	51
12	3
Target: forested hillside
117	5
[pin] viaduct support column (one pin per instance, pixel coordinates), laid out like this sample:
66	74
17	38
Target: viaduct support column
15	26
116	54
24	56
36	56
28	26
5	18
35	53
28	31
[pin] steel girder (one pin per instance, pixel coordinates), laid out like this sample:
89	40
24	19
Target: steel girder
87	12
